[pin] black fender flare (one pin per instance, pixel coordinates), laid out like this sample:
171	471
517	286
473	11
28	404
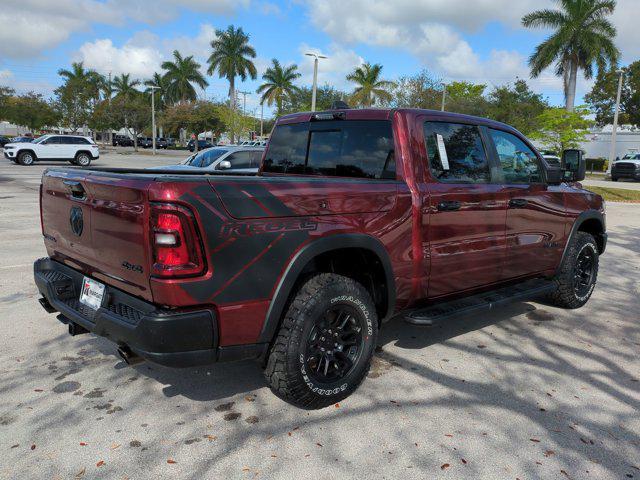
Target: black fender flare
307	253
583	217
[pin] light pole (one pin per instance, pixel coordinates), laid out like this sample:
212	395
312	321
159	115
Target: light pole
614	132
444	96
316	56
261	119
153	117
244	102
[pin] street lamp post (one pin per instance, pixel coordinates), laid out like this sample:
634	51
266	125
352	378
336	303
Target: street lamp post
444	96
153	117
261	119
316	56
614	132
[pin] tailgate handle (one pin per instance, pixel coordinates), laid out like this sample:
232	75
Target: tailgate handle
76	189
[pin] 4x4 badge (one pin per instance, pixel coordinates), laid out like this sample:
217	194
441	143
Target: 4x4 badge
76	221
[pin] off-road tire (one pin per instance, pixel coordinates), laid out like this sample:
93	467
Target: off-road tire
565	295
26	158
286	369
82	159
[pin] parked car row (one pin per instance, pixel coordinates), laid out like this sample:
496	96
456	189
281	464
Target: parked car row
5	140
143	142
227	159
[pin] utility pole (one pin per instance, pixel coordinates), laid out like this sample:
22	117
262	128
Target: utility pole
316	56
444	96
244	104
153	117
110	130
614	132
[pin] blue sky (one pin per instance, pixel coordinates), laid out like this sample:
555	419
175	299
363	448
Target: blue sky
480	41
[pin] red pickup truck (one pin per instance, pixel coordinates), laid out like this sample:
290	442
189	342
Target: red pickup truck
355	216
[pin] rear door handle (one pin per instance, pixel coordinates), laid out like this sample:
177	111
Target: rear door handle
518	203
449	206
76	189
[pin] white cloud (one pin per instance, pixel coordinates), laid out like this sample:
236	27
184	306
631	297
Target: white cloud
33	26
104	57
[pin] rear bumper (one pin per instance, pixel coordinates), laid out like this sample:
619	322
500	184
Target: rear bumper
175	338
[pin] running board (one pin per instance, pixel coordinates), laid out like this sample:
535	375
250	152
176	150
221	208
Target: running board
479	302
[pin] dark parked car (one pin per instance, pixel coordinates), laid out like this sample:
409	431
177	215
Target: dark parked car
355	217
122	141
145	142
4	140
202	144
21	140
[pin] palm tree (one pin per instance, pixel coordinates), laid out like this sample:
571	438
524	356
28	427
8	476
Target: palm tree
161	83
123	85
181	74
77	72
583	37
370	87
231	57
278	84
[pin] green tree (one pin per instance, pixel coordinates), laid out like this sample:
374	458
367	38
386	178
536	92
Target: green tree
33	111
560	129
132	112
582	38
6	94
602	97
231	58
422	90
77	95
299	100
125	87
370	87
180	76
467	98
194	117
278	84
516	105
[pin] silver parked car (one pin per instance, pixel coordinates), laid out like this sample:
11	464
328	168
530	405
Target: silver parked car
229	159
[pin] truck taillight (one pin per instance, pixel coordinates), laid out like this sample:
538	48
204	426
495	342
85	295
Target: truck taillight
176	245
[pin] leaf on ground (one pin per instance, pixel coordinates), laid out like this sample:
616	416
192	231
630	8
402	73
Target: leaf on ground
171	461
337	405
535	440
38	390
463	461
81	472
319	444
100	463
482	346
33	447
549	453
83	444
114	446
444	466
210	437
448	435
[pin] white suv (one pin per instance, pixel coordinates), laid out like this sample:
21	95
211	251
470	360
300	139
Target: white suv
72	148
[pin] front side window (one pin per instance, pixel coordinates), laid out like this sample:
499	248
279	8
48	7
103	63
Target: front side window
207	157
518	162
240	159
342	148
456	153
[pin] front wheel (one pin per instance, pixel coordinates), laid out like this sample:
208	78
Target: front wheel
324	347
578	272
82	159
26	158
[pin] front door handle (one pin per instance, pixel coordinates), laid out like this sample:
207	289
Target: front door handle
449	205
518	203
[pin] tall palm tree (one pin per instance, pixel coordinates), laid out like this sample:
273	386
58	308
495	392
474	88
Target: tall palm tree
77	72
582	38
161	83
278	84
124	86
180	76
231	57
370	87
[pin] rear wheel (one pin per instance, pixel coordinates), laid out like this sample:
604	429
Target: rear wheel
26	158
614	179
324	347
83	159
578	272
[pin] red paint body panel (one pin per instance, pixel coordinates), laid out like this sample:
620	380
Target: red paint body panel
252	227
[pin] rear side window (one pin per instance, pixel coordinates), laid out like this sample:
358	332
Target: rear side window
518	162
351	148
456	153
240	159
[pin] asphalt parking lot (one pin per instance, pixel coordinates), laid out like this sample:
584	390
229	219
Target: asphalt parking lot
527	391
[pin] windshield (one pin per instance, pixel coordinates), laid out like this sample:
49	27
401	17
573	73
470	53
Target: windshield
206	157
40	139
631	156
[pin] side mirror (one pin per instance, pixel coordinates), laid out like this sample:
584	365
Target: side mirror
224	165
573	165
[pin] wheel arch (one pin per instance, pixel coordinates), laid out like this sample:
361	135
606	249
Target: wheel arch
317	252
592	222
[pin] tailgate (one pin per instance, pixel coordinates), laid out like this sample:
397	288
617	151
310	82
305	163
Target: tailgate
97	223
